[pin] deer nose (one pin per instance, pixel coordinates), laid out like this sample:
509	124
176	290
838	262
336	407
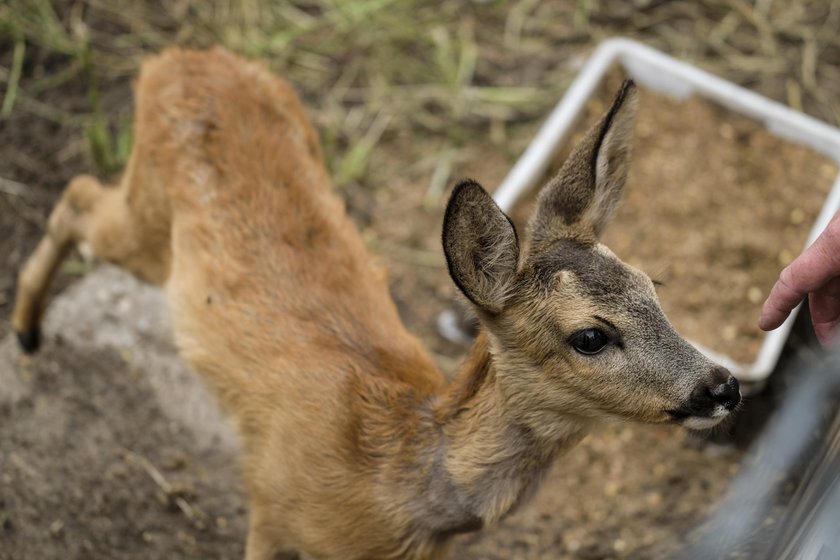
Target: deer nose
727	393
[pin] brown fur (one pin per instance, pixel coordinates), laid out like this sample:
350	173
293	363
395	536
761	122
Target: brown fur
355	447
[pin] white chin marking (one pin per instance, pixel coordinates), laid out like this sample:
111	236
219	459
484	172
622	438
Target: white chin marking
706	422
701	422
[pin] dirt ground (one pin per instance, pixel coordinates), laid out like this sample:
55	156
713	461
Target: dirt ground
110	447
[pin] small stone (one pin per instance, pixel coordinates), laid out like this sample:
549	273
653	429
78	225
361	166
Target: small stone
619	545
56	527
729	332
785	257
754	294
797	216
124	306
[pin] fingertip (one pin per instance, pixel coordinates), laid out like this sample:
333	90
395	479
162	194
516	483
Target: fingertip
764	319
770	319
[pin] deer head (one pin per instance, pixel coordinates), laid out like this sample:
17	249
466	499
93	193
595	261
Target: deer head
574	331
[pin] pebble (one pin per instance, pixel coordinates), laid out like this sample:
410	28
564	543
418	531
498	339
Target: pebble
797	216
785	257
729	332
56	527
754	294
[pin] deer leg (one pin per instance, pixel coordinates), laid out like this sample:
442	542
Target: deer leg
101	217
63	231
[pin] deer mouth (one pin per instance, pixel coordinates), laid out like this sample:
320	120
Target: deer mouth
695	419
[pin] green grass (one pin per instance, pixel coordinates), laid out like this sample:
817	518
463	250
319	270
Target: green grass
391	64
373	69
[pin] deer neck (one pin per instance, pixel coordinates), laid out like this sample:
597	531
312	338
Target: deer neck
488	459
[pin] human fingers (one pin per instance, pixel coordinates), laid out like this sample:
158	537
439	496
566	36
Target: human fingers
807	273
783	297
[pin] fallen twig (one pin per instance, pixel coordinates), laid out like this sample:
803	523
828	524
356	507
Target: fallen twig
193	513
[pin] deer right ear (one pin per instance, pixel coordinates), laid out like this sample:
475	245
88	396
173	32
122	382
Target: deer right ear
481	247
580	200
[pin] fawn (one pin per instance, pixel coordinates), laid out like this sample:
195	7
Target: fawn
355	446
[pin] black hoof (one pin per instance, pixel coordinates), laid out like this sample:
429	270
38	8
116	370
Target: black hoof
29	341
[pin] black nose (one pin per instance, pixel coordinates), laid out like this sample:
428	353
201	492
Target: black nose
727	393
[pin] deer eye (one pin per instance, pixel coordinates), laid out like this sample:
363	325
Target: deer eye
589	341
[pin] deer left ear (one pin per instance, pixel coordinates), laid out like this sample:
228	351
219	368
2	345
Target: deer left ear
581	199
481	247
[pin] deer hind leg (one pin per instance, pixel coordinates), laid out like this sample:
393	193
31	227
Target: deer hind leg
101	217
63	231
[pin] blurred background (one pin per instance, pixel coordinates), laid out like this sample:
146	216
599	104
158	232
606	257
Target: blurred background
408	96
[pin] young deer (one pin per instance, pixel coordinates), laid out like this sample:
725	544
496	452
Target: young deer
355	447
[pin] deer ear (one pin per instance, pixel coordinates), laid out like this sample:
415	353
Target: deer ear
481	247
581	199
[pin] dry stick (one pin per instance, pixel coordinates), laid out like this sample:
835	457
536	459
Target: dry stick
50	113
57	79
12	188
14	78
193	513
765	30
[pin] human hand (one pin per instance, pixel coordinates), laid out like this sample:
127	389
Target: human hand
816	274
